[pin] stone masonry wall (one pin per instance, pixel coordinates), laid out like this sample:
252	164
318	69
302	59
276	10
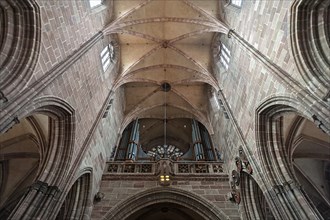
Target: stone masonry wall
83	85
248	82
102	144
117	191
65	26
266	25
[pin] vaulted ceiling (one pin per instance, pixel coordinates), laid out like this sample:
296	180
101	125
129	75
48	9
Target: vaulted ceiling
166	41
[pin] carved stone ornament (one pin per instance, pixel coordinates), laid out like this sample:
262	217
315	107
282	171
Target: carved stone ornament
244	161
320	124
241	153
236	177
98	196
164	167
238	163
248	167
235	196
232	185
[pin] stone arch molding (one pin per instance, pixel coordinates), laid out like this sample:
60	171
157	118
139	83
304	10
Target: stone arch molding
267	135
55	161
19	44
77	201
165	194
252	194
62	139
310	43
274	158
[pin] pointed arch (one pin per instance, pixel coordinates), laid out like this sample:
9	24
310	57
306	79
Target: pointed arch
254	202
58	156
309	27
78	198
19	44
191	113
274	156
165	194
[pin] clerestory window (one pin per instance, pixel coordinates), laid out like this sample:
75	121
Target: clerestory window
107	56
95	3
237	3
224	56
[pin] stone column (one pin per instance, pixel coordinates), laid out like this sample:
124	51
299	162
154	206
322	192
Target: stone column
290	203
37	203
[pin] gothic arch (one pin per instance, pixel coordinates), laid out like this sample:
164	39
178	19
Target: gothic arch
253	199
309	157
20	152
274	156
57	157
310	43
54	156
187	113
75	205
267	136
169	195
19	44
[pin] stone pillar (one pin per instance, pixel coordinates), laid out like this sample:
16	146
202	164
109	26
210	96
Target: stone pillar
290	203
197	141
37	203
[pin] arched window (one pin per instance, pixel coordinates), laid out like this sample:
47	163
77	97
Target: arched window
224	55
107	56
95	3
237	3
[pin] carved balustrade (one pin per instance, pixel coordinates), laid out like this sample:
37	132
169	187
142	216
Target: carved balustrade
152	168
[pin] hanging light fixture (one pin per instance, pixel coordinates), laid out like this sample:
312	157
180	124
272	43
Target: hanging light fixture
164	150
166	87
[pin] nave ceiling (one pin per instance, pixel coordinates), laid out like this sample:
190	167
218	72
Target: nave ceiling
166	43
